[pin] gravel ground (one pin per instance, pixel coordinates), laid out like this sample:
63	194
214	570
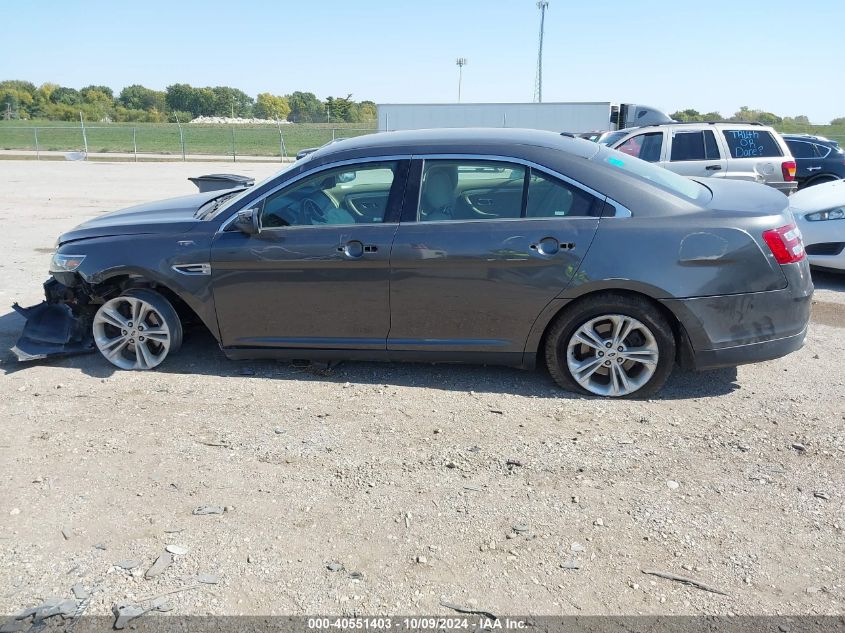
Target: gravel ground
377	488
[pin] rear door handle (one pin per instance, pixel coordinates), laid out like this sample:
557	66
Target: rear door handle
813	168
352	249
713	167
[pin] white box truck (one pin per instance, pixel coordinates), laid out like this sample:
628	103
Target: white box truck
575	117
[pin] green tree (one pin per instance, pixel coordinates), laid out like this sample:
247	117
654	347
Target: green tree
99	105
368	111
269	106
180	97
136	97
102	89
305	107
226	99
66	96
838	121
340	109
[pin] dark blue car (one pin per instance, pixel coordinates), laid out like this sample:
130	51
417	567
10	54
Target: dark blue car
818	159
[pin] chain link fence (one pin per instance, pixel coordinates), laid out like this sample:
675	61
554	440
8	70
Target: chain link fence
171	140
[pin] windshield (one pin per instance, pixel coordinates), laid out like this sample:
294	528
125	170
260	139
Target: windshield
211	211
663	178
609	138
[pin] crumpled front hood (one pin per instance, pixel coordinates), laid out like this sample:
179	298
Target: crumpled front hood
163	216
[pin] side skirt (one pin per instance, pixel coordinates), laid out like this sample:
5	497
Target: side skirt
509	359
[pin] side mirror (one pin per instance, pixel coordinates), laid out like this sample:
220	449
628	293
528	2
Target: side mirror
247	221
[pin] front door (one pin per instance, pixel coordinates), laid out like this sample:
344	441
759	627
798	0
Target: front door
317	273
491	245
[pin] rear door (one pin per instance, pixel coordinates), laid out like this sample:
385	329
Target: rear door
695	153
488	246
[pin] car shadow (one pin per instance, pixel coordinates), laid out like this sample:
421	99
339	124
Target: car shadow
828	280
200	355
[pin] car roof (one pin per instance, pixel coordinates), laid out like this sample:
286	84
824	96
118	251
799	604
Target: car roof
453	139
733	124
810	138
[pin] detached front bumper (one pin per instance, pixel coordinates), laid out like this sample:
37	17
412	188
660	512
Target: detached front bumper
53	327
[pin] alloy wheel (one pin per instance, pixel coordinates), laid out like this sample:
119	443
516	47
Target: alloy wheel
612	355
131	333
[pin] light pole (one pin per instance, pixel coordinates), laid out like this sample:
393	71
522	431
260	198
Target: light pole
538	87
461	62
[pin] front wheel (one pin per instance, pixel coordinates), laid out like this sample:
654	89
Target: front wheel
137	330
616	346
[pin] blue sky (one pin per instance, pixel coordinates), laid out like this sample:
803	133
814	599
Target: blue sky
782	56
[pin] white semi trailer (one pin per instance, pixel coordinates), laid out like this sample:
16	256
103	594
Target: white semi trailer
573	117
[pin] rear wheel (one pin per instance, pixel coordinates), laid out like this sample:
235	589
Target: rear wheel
137	330
611	345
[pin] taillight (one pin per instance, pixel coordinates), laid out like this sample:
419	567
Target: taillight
788	169
785	243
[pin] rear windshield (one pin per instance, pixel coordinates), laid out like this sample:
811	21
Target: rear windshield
663	178
751	144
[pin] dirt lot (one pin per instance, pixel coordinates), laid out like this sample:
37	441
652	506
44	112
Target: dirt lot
387	489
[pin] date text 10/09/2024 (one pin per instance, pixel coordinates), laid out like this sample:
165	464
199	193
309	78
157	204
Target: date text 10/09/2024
416	623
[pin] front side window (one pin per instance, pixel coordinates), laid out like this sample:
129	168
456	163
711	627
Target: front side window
751	144
470	190
356	194
697	145
644	146
549	197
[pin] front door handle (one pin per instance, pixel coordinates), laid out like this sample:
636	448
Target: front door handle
546	246
713	167
352	249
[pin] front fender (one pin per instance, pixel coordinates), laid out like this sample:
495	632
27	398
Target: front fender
172	261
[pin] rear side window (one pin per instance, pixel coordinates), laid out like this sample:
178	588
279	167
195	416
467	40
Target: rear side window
646	147
751	144
549	197
800	149
470	190
696	145
823	151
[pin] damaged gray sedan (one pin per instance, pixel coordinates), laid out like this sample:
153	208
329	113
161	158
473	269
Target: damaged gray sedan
493	246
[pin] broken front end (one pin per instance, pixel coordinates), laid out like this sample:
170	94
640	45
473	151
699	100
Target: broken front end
58	326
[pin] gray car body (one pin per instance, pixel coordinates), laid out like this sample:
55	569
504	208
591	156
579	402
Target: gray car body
290	293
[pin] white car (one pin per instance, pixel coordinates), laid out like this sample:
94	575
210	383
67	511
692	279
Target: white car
820	214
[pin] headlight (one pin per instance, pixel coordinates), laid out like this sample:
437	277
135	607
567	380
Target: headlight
65	263
830	214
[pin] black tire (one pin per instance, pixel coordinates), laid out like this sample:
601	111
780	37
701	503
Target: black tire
818	180
639	308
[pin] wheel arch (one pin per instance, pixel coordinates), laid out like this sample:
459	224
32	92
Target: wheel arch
187	307
820	178
534	350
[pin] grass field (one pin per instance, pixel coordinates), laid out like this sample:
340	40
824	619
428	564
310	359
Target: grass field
163	138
